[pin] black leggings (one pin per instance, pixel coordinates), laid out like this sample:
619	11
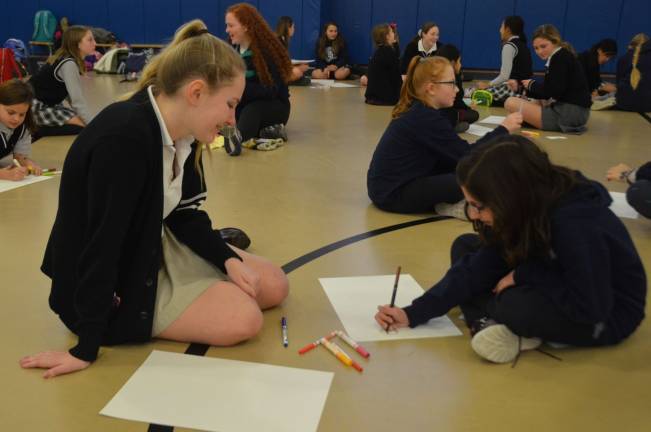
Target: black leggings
526	311
260	114
639	197
422	194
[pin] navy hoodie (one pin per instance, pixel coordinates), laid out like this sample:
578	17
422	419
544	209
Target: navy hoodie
595	275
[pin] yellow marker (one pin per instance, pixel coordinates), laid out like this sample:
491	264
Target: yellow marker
335	352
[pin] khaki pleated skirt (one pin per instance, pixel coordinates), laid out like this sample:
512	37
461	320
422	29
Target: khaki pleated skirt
182	278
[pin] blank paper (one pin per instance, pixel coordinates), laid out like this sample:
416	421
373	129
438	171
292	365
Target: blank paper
355	299
214	394
477	130
7	185
620	207
496	120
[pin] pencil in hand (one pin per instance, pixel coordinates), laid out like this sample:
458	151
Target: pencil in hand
393	295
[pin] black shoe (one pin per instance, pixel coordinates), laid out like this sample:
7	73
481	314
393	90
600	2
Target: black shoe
274	132
232	141
235	237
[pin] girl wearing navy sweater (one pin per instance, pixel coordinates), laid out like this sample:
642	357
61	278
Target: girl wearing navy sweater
412	169
551	262
638	194
264	109
634	76
132	257
563	97
16	125
58	80
331	55
425	44
384	80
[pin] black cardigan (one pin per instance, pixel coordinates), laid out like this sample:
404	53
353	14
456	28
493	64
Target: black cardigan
106	239
384	79
564	81
411	51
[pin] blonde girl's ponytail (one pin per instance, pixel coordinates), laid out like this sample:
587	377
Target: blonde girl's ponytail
636	75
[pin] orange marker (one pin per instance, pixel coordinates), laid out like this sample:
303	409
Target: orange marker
315	344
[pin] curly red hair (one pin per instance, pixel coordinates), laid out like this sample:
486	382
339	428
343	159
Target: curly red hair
265	44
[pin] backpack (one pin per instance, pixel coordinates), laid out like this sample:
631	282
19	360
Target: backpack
9	69
45	24
109	61
103	36
19	49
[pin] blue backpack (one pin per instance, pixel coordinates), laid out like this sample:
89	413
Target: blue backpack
45	24
18	47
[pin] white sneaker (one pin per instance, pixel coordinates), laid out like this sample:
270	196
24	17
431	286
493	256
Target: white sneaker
602	104
498	344
456	210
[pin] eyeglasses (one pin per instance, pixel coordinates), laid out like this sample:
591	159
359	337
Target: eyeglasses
452	83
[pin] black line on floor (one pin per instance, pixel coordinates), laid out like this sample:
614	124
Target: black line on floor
201	349
646	116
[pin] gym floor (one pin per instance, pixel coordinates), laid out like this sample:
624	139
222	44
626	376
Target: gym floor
306	195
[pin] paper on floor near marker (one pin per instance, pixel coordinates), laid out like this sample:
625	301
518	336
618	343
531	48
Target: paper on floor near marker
214	394
621	208
477	130
7	185
298	61
556	137
496	120
355	299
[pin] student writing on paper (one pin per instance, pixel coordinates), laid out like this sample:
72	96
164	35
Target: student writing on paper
638	194
562	101
132	257
16	125
412	169
264	109
285	30
551	261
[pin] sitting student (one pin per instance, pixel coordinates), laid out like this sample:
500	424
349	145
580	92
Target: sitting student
516	60
412	170
331	55
638	194
634	76
551	262
285	30
459	114
264	109
591	60
425	44
147	262
16	125
564	99
384	79
59	79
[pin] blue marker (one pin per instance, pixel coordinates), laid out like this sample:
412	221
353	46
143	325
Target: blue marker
283	325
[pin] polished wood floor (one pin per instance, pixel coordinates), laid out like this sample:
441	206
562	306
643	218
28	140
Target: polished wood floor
306	195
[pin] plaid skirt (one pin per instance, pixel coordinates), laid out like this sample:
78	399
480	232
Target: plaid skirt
51	115
500	92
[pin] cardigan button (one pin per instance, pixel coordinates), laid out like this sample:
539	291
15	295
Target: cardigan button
144	315
149	282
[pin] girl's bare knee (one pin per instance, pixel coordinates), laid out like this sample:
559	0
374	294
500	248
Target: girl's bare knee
509	104
247	325
278	287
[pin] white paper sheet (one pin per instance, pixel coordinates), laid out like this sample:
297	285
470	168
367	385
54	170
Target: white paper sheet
477	130
7	185
297	62
355	299
214	394
331	83
556	137
621	208
496	120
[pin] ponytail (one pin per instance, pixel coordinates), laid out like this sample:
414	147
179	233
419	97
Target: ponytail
421	71
636	75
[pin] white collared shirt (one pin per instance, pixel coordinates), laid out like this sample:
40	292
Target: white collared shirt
552	55
174	156
422	49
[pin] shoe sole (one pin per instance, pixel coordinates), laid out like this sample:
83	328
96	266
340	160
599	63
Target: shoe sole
496	343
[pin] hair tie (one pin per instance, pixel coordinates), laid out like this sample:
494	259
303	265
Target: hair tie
200	32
